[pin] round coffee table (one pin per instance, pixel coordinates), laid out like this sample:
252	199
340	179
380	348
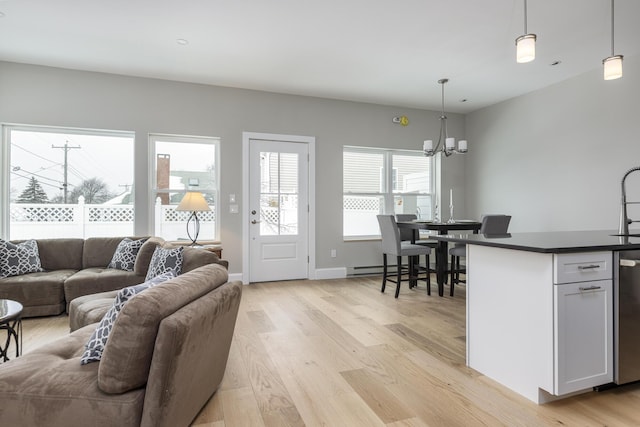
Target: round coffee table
11	321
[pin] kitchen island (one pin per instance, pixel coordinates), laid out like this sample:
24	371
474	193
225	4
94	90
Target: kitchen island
540	309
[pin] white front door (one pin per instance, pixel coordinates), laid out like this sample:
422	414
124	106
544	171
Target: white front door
278	210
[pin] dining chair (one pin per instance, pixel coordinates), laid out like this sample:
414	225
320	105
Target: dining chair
393	245
406	234
491	224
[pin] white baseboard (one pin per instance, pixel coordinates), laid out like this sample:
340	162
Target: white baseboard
320	274
235	276
331	273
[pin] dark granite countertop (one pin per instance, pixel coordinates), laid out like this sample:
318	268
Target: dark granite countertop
550	242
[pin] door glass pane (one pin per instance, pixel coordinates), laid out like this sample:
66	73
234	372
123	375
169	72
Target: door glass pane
278	194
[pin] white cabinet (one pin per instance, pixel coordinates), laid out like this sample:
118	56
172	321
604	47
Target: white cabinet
540	323
583	322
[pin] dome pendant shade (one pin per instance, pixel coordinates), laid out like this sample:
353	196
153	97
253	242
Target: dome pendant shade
526	48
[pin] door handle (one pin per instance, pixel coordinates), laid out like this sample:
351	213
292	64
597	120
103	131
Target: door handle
628	262
254	221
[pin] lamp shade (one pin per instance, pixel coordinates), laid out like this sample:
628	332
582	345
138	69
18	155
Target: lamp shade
612	67
193	201
526	48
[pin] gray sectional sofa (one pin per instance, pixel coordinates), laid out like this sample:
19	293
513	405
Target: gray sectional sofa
164	358
75	267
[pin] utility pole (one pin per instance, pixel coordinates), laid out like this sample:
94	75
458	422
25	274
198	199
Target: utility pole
66	149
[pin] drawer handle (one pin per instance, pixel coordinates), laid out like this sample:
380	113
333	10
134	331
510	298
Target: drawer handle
588	267
589	288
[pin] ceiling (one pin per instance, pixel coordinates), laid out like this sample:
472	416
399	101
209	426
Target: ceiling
389	52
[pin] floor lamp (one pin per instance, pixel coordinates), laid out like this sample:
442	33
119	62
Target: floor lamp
193	202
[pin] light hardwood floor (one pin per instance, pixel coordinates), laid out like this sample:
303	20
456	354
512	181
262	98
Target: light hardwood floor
340	353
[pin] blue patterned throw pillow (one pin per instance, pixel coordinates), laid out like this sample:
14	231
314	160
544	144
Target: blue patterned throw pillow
165	259
124	258
98	340
18	259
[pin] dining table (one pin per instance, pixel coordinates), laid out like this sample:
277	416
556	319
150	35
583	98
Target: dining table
442	250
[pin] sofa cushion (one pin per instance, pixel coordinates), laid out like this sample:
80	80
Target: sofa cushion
99	250
89	309
124	257
61	254
144	255
95	345
95	280
48	386
19	258
41	294
165	259
126	359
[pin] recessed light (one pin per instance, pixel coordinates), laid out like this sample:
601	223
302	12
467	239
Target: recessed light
182	42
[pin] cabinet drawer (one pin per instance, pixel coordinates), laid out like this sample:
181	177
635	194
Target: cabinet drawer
582	267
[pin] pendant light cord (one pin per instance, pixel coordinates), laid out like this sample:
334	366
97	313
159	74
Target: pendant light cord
612	24
525	16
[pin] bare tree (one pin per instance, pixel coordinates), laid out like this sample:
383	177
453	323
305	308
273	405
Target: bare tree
94	190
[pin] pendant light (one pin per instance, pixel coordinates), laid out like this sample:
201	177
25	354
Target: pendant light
526	43
445	144
613	64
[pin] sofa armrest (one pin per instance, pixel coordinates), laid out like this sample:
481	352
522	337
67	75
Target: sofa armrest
190	357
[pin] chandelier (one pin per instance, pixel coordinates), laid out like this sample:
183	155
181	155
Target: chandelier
445	144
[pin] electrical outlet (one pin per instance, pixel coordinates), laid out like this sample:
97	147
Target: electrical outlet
232	198
233	208
333	253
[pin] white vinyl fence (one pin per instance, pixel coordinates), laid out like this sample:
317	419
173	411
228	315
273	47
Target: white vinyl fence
48	220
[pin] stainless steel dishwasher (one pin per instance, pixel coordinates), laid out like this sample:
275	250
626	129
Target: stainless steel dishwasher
626	301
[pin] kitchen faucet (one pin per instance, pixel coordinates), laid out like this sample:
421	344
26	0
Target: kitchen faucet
624	219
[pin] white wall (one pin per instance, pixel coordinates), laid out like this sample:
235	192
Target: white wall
554	158
51	96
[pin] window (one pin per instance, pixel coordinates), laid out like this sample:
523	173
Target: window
181	164
379	181
66	182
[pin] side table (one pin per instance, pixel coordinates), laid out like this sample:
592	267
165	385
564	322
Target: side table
11	321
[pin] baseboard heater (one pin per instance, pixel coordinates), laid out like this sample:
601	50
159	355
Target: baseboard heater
368	270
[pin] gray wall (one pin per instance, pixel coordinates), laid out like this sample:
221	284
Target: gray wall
37	95
554	158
